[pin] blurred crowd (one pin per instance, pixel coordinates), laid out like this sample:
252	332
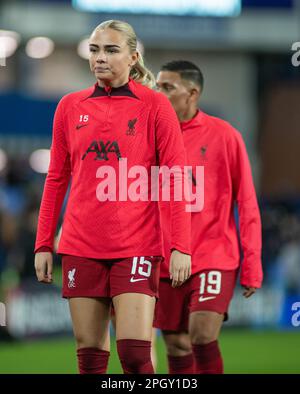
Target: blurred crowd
281	244
20	194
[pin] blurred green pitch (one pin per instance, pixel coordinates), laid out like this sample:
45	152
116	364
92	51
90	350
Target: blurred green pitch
244	352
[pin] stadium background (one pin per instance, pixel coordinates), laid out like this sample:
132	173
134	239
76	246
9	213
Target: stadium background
252	79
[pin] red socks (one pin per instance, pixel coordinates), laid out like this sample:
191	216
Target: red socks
181	364
135	356
92	360
208	358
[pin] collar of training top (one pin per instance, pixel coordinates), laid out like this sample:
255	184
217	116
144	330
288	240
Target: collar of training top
123	90
196	121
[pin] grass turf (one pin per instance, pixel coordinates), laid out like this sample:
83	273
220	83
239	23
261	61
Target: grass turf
243	351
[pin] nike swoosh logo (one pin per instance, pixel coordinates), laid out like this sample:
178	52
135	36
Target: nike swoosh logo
201	299
132	280
81	125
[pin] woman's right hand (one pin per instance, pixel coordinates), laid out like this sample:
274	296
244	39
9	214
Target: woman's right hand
180	267
43	264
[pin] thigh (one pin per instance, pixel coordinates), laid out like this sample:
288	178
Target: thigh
91	317
134	316
212	290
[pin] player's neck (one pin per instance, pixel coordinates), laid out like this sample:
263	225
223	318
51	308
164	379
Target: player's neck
188	115
113	84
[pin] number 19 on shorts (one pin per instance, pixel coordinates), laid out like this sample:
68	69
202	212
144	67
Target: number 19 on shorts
210	283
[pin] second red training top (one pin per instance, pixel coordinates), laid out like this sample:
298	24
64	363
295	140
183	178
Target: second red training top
215	145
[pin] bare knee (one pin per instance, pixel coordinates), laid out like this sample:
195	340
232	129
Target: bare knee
92	337
205	327
178	344
85	341
134	316
202	338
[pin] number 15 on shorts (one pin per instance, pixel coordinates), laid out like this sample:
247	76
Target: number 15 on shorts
142	266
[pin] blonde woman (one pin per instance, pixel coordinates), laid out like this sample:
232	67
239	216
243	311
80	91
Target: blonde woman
111	248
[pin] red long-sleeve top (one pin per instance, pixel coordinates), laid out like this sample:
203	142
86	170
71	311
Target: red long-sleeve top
100	127
215	145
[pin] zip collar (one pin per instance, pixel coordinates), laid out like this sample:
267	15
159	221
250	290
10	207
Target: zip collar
109	91
196	121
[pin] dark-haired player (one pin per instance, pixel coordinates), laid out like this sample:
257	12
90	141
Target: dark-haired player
191	316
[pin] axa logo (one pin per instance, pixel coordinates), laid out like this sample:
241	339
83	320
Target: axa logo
71	275
131	127
102	149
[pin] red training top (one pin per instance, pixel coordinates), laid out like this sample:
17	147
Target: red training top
100	127
216	145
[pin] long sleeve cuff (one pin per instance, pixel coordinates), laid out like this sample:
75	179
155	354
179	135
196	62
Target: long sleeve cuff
251	271
43	249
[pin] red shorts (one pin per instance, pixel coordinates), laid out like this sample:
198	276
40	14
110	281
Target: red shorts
208	290
84	277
